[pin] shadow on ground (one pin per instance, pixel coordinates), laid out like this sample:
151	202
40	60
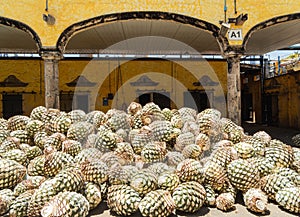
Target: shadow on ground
239	211
283	134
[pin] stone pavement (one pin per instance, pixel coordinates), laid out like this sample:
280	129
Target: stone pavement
239	211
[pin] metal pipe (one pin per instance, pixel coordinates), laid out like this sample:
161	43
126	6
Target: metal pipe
262	90
41	78
279	62
109	76
225	10
46	9
235	11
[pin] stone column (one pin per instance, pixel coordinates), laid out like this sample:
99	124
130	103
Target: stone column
234	89
51	76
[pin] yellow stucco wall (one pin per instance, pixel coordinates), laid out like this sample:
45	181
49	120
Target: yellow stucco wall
286	112
69	12
27	71
289	100
173	76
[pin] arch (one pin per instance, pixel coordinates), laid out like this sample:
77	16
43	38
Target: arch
23	27
273	22
138	15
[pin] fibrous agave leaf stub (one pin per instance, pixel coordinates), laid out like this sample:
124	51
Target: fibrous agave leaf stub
150	159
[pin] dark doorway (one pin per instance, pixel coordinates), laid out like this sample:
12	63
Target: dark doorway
271	109
197	100
162	100
144	98
81	101
12	104
66	100
247	107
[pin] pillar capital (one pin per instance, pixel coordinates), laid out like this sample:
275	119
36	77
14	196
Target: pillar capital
51	55
233	57
233	53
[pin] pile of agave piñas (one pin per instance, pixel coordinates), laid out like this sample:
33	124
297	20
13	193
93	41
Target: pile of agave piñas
149	160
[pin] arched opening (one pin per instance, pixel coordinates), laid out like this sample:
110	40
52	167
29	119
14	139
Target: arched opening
141	35
268	91
17	78
99	33
17	37
276	33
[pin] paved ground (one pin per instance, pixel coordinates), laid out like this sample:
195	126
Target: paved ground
239	211
283	134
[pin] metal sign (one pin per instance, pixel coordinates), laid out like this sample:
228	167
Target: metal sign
235	34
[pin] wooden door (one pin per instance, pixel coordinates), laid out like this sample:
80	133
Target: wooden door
12	104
